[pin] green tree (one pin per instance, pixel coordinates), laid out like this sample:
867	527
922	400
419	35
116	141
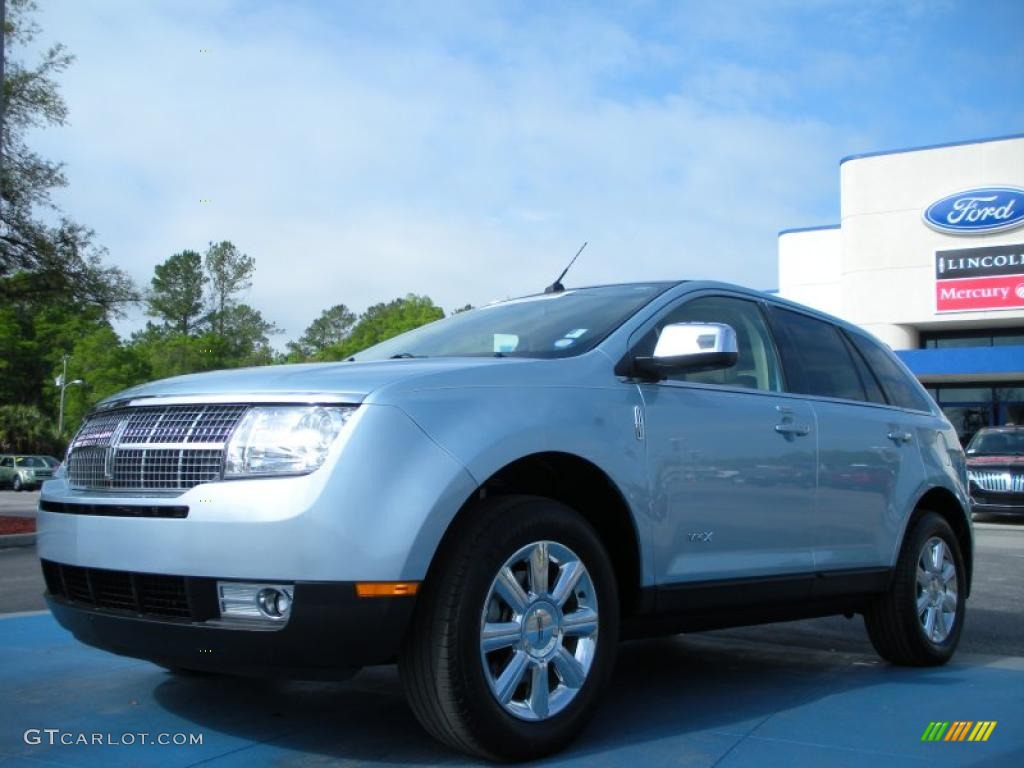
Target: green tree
382	321
176	293
245	341
41	260
230	272
23	429
106	366
331	328
34	335
246	336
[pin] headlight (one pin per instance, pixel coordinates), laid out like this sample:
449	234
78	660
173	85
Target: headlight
283	440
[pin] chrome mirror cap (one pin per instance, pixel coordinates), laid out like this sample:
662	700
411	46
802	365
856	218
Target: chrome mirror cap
690	347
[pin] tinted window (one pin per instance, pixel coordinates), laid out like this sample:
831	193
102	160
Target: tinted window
867	376
816	358
757	366
900	387
5	461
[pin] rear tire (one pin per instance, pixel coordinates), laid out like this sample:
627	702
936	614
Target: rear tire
17	484
529	684
918	621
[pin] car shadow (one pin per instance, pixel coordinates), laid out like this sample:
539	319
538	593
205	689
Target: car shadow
662	688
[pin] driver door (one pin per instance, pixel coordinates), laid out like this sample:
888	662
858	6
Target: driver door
731	458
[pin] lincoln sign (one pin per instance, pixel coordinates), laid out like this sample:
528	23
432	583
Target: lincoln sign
972	279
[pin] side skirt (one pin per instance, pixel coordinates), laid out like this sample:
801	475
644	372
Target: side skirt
695	606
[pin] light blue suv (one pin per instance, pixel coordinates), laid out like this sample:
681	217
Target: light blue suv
495	499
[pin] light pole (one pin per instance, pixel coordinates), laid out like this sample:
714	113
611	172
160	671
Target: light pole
63	383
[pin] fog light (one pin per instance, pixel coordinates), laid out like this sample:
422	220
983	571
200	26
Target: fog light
255	602
273	603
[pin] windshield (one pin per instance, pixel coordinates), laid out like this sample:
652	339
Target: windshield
997	444
30	461
548	325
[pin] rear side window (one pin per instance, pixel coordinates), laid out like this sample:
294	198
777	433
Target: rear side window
815	357
901	389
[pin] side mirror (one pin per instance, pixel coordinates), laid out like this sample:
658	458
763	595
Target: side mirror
688	348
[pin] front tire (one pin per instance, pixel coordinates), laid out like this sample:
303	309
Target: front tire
17	485
918	621
515	632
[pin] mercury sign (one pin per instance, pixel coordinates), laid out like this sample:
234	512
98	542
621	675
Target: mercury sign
977	211
972	279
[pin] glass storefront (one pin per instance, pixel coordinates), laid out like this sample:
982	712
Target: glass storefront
972	406
1000	337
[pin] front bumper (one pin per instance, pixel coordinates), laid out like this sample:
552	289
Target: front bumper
997	509
375	511
997	503
330	634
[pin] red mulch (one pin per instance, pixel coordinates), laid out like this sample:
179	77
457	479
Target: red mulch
17	525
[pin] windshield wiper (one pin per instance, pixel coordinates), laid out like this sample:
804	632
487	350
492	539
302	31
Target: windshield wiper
404	356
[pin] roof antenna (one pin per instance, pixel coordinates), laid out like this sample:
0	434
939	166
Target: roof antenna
557	287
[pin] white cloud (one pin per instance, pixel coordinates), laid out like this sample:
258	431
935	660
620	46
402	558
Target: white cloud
360	156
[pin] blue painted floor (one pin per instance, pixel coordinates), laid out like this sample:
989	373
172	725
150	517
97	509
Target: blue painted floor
694	701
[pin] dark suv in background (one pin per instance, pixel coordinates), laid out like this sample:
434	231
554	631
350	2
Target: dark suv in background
995	468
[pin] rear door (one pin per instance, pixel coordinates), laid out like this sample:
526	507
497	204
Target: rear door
868	460
731	458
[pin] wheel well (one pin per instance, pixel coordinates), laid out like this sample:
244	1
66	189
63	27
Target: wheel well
583	486
944	503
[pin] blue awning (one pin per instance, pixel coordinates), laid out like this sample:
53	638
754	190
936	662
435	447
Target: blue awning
971	363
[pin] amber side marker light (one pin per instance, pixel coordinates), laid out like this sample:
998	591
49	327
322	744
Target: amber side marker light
386	588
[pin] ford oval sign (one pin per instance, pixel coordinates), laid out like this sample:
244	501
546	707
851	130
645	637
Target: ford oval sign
977	211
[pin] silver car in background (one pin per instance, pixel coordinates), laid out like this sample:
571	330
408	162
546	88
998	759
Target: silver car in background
495	499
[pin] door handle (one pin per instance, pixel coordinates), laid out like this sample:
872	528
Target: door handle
800	430
899	436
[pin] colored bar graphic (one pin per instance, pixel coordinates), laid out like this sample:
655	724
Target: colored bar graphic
983	731
959	730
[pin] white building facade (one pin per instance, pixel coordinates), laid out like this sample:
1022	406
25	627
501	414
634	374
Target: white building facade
929	256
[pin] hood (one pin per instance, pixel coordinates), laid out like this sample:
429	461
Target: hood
350	382
1008	460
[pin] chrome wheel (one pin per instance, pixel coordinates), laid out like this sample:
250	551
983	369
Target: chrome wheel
936	590
538	630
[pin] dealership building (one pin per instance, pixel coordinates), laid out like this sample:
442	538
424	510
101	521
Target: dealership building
928	255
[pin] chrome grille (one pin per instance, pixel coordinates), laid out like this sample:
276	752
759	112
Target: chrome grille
998	480
174	447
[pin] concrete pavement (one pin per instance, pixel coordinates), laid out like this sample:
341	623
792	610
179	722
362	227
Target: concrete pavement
18	504
693	701
795	694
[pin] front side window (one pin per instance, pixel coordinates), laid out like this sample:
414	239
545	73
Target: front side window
900	387
757	366
816	358
6	461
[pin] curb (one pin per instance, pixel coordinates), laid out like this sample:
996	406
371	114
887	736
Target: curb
17	540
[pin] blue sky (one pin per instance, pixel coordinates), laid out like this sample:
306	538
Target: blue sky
360	151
